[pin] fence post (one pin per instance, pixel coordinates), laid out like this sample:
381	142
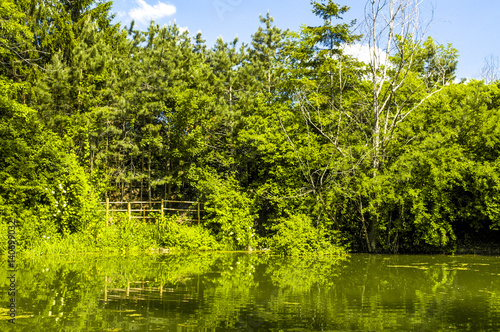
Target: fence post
198	213
143	213
129	212
107	211
106	289
161	209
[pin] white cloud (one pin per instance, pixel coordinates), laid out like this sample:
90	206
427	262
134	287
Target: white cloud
145	12
363	52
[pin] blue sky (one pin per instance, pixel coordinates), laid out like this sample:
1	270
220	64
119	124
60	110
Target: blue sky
471	26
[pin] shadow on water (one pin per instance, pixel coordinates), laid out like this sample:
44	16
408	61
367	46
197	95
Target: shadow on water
255	292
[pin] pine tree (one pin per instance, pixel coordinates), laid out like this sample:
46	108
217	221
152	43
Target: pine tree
18	59
228	79
169	108
267	44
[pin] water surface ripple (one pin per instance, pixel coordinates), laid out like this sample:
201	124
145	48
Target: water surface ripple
254	292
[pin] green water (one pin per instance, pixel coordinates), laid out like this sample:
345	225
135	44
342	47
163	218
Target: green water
254	292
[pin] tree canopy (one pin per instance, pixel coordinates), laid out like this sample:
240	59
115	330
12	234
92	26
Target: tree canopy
281	134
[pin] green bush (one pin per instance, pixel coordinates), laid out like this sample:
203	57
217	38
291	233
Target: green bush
230	211
296	236
43	189
180	236
126	235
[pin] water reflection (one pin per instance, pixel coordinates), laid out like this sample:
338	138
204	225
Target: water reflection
255	292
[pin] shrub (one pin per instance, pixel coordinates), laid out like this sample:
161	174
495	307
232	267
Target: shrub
126	235
230	211
296	235
43	188
180	236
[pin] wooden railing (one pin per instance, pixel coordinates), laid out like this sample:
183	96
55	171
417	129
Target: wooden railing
143	290
145	207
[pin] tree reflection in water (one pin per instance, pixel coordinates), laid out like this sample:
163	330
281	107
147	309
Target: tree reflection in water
256	292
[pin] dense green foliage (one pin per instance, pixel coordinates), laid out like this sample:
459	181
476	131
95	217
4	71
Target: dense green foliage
287	141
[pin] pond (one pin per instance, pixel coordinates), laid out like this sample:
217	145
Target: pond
253	292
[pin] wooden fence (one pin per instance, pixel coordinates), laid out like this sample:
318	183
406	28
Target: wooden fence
142	290
141	209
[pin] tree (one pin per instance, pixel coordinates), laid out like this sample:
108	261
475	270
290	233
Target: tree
82	102
18	59
355	116
230	82
393	30
446	179
491	71
395	39
438	64
171	112
332	37
267	45
43	188
322	81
